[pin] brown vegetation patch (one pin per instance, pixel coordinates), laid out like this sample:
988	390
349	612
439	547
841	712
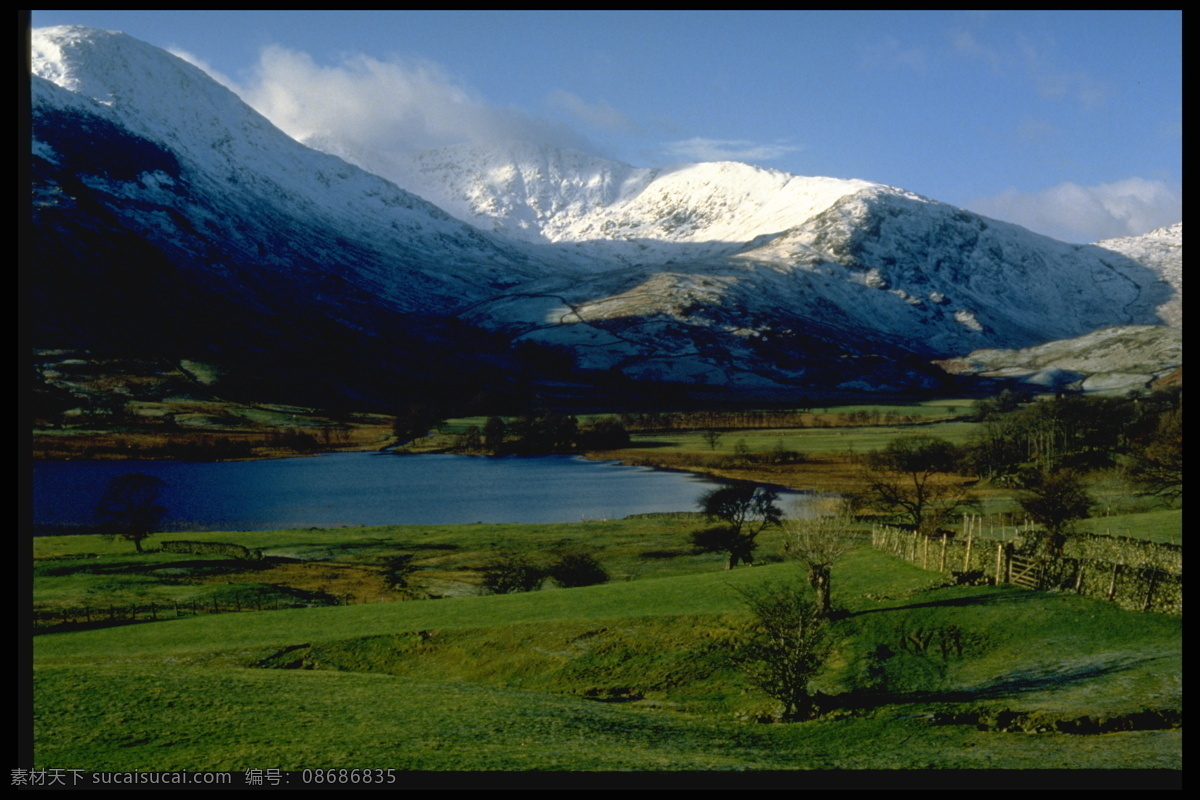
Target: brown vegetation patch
155	442
840	474
348	582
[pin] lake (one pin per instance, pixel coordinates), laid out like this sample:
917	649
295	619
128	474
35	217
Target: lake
347	489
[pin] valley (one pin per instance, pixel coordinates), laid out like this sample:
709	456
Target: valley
937	523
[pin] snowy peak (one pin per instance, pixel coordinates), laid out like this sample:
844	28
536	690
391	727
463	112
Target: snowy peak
719	273
716	202
146	88
543	194
519	189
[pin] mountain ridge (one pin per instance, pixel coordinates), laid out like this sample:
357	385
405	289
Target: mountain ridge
715	275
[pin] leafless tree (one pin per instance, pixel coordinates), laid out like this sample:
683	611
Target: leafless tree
819	542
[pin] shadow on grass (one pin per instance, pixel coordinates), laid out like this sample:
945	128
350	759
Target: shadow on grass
1005	687
206	566
995	598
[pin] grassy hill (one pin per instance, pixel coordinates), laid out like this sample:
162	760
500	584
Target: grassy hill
634	674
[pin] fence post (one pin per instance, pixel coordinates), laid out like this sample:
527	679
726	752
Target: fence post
942	562
1112	584
967	557
925	553
1150	589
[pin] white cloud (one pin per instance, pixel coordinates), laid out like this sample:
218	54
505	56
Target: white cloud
600	116
701	149
386	107
1077	213
196	61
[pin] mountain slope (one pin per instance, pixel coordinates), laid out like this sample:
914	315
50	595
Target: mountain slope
285	201
1120	358
169	215
969	277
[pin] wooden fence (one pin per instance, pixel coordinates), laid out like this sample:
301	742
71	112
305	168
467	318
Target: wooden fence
1144	586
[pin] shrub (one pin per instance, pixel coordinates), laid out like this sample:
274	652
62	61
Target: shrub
577	569
512	573
785	646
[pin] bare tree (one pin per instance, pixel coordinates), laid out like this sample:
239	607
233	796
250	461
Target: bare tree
818	542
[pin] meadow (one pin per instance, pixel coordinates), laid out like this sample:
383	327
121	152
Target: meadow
633	674
353	665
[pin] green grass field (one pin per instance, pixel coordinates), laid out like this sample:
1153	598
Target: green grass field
633	674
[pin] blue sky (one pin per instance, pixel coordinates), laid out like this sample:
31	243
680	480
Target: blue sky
1069	123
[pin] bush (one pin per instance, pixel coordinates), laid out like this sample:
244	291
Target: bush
577	569
785	646
512	573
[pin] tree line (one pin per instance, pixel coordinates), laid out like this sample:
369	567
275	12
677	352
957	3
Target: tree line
537	432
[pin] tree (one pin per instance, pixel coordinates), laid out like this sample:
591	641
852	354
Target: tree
1157	468
512	573
414	422
606	433
818	543
545	432
712	438
1055	500
912	476
744	510
785	646
128	508
494	431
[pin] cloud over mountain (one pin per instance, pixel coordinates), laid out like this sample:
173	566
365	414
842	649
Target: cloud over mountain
1077	213
389	106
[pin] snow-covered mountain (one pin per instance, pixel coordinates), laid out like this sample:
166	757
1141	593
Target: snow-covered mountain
155	188
232	177
539	193
937	276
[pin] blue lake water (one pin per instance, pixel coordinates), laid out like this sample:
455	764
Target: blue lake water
370	489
